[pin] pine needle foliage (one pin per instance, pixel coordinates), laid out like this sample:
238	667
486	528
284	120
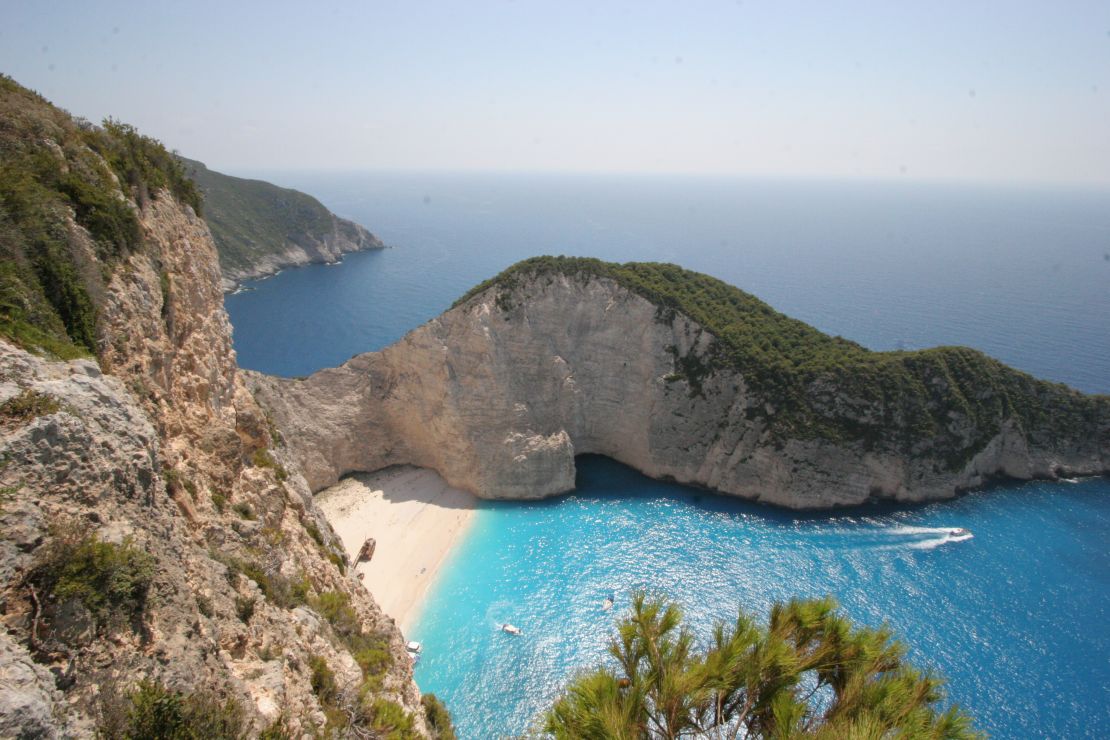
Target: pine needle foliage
810	673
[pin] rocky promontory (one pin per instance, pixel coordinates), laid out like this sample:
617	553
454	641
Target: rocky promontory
682	377
261	228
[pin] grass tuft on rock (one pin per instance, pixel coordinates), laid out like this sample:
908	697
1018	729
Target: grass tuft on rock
110	580
437	718
27	405
154	712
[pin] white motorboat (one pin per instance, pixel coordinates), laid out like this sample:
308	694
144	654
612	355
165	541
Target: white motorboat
511	629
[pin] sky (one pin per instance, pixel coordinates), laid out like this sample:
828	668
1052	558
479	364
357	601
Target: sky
972	90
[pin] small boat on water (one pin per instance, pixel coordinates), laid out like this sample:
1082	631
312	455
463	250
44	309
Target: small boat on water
607	605
511	629
959	532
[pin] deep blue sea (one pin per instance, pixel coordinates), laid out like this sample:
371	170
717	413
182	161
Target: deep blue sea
1017	617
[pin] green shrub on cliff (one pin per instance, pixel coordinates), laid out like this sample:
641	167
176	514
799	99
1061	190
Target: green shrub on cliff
388	719
52	165
154	712
820	386
261	458
322	680
143	163
437	718
809	674
335	606
110	580
371	650
277	589
28	405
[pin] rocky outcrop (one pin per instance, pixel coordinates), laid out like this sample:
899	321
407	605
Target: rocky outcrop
158	451
155	446
260	228
327	248
500	393
30	705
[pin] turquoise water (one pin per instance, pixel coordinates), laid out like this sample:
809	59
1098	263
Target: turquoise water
1016	617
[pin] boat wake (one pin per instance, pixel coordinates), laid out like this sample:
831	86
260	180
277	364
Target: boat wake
878	535
926	538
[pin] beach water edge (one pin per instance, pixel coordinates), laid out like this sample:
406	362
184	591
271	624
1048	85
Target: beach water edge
415	519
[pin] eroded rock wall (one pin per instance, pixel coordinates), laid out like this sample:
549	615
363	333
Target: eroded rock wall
499	394
160	444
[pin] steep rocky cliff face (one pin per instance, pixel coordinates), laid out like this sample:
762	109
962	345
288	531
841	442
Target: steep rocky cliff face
501	392
261	228
156	539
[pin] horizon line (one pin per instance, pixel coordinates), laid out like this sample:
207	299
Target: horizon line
903	179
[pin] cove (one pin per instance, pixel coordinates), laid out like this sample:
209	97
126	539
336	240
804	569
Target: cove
1014	617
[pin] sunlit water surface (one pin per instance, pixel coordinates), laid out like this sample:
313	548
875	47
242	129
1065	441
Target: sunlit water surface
1015	616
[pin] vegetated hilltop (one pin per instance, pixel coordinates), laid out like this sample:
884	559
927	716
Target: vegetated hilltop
164	570
65	223
681	376
260	228
902	401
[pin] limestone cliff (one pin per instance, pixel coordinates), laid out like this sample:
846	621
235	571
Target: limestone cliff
261	228
156	539
559	357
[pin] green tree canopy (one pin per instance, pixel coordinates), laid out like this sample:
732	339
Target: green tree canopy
809	674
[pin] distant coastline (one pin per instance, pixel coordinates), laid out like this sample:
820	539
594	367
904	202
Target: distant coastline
236	282
261	228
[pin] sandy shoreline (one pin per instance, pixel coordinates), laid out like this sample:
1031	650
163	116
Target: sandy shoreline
416	519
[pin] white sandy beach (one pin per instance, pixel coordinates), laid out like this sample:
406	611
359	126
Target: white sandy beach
415	517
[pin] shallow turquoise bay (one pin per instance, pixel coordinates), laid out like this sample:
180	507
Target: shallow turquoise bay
1015	617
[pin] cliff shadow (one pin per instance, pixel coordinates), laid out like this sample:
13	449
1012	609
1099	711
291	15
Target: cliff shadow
408	483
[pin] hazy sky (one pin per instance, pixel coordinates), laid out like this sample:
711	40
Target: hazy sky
1002	91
